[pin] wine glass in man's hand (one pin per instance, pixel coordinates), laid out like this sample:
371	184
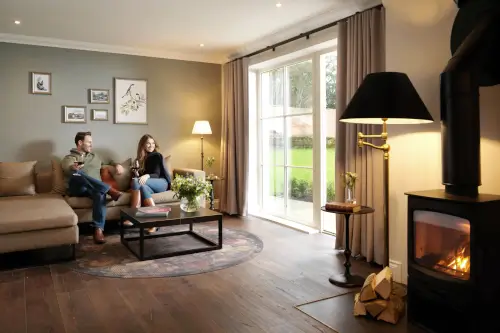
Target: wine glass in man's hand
77	165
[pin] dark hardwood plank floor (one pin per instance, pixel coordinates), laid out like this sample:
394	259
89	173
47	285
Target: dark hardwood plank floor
255	297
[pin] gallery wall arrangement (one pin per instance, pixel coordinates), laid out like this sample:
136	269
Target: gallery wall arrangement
130	100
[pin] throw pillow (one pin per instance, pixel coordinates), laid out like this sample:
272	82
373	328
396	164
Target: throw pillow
107	177
168	165
123	180
17	178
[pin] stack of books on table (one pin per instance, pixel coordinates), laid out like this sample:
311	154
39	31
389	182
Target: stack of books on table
154	211
342	207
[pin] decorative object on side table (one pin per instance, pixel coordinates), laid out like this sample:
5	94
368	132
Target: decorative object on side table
210	162
202	127
131	101
346	279
41	83
349	180
385	98
189	189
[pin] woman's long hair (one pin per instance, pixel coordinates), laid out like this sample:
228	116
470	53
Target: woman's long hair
141	150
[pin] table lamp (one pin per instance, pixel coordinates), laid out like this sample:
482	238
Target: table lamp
202	127
385	98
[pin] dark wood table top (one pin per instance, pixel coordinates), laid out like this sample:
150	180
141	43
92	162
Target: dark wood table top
175	215
364	210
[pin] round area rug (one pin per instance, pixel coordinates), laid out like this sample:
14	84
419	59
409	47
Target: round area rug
113	259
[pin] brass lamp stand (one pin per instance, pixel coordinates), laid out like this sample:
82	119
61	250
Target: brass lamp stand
385	98
385	147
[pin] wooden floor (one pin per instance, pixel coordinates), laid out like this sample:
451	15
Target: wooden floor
255	297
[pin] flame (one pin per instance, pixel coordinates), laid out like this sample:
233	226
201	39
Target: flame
457	264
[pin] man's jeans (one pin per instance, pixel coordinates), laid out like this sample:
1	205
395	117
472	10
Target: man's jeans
153	185
86	186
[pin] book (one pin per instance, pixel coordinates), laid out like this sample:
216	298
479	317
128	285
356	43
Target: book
343	207
154	211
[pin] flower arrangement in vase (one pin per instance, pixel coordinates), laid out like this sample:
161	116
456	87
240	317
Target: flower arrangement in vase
209	163
189	189
349	180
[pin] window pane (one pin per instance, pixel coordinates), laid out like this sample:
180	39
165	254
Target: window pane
299	131
273	189
300	196
272	141
299	77
272	93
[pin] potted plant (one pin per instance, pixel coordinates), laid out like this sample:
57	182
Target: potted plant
209	163
189	190
349	180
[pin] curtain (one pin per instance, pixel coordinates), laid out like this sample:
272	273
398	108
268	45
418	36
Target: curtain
234	140
360	51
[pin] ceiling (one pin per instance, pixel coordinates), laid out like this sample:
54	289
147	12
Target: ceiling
167	28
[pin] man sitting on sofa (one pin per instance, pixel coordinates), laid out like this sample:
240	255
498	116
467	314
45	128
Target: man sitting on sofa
82	172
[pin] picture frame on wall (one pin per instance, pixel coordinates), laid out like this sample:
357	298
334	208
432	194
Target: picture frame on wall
99	115
130	101
74	114
41	83
99	96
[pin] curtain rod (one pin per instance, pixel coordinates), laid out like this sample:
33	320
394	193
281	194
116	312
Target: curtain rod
302	35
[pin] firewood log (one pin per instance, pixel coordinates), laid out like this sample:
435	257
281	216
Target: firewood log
383	283
368	290
359	307
376	307
394	311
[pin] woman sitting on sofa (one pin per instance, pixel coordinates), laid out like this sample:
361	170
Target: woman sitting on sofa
153	175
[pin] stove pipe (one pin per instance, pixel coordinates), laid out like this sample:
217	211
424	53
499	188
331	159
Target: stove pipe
460	133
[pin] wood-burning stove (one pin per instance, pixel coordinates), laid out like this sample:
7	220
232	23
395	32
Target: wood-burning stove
454	234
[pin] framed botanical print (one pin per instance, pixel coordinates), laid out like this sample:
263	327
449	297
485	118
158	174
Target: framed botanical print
74	114
41	83
99	114
99	96
131	101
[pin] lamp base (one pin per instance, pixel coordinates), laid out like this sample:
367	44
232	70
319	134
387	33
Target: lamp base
346	281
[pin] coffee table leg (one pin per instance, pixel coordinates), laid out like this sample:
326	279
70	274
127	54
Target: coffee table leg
121	228
141	243
220	232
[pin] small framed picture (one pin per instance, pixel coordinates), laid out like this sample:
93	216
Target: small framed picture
41	83
74	114
99	114
99	96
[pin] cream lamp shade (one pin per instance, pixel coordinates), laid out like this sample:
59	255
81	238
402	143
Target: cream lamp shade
202	127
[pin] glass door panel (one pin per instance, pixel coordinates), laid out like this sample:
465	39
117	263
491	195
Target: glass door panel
299	206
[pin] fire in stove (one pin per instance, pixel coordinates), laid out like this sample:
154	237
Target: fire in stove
442	243
456	264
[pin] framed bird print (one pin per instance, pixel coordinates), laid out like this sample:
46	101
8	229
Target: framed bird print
131	101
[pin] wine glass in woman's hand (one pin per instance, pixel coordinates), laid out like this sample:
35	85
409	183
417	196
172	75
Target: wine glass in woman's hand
135	168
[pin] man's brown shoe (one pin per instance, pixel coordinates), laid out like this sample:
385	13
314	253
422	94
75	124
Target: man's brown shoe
99	236
114	194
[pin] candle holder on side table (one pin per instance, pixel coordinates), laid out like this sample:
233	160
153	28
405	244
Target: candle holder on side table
346	279
212	179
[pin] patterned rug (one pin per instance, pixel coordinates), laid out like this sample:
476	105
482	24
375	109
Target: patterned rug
114	260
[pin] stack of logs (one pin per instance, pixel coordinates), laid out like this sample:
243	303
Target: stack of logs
379	298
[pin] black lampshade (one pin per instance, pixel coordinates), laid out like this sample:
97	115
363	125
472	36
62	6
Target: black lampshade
388	95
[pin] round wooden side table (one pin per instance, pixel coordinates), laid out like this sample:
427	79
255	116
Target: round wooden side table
346	279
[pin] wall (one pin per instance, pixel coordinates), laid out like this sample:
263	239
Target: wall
179	93
422	52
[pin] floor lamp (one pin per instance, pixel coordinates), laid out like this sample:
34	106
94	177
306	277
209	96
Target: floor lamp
385	98
202	127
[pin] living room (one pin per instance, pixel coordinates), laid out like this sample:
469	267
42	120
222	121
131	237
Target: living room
286	269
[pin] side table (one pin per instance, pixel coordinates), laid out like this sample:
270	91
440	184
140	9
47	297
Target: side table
346	279
212	179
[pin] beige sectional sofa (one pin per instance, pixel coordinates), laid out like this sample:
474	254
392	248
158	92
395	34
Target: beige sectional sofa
36	213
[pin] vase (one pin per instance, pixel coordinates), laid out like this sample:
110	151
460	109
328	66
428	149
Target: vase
189	205
350	196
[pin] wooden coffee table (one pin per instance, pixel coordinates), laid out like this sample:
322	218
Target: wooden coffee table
175	217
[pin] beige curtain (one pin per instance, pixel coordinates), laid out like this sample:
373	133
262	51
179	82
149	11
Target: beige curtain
234	140
360	51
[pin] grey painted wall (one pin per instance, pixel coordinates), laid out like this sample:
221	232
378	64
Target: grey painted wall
179	93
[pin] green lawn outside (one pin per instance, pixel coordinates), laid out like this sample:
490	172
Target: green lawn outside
303	177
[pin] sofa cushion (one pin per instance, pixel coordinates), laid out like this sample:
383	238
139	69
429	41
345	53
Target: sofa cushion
58	182
86	203
38	212
17	178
